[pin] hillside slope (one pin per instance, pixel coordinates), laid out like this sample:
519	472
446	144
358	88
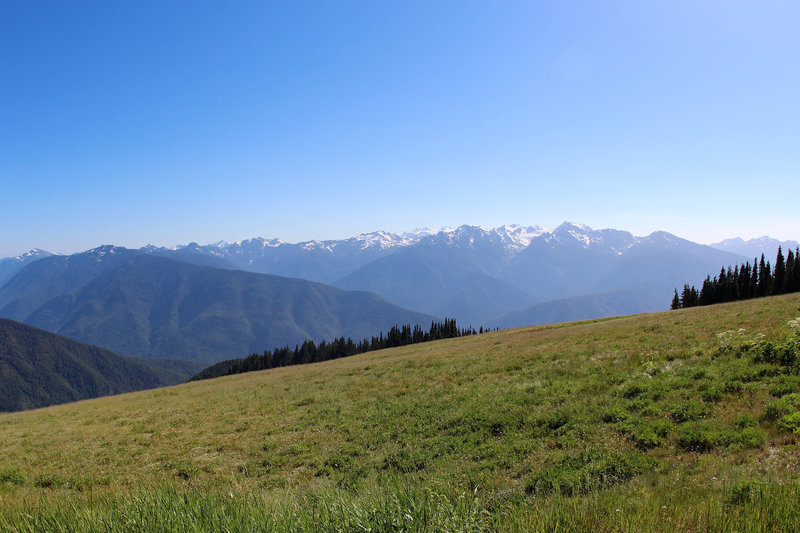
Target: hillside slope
684	410
39	368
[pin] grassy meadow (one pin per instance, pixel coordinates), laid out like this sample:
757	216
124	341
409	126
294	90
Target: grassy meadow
683	420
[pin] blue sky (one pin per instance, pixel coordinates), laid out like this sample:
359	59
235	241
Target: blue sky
170	122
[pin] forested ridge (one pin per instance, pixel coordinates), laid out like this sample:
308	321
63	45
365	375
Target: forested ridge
39	368
310	352
743	282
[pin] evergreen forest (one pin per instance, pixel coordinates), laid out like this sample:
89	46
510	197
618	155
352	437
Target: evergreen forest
744	282
310	352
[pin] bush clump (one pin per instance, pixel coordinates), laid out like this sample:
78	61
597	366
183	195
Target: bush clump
785	385
589	470
712	395
785	353
703	437
648	434
634	390
615	415
691	410
779	408
790	422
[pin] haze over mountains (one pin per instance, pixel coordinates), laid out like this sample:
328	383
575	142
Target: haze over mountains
223	300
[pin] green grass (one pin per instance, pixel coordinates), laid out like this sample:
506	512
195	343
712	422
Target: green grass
533	429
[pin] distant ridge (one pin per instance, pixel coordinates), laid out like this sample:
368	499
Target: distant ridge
753	248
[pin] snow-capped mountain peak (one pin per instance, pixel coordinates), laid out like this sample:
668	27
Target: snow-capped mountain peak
419	233
568	233
30	255
382	240
107	249
516	237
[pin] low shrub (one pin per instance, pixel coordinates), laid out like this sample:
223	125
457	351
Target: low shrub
784	353
47	481
785	385
648	434
745	421
704	437
712	395
615	415
690	410
733	385
589	470
790	422
779	408
634	390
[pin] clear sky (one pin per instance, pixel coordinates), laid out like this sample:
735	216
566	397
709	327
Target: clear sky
169	122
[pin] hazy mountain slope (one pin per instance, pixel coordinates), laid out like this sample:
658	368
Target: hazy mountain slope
436	283
446	274
9	266
159	307
576	260
47	278
39	368
639	299
408	278
753	248
640	280
666	261
479	297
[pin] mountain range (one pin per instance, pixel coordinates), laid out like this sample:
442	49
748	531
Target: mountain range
223	300
479	275
138	303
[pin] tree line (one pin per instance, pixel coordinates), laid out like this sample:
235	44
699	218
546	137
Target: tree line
744	282
310	352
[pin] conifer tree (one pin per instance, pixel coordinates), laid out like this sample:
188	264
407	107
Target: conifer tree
793	274
779	275
763	277
676	303
756	274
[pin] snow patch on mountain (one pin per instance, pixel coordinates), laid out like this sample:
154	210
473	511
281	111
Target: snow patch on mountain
516	237
30	255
